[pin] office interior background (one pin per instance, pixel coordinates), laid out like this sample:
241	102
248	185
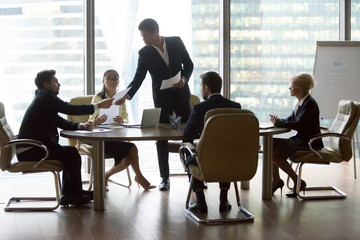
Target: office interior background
270	41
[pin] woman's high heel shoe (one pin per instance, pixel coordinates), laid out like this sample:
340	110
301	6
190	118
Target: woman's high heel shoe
294	194
280	185
144	183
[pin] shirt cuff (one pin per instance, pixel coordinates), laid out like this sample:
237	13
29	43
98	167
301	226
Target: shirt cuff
96	107
80	126
184	79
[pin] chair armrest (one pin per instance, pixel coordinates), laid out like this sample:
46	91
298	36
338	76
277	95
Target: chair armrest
22	141
189	146
31	142
324	130
323	135
185	149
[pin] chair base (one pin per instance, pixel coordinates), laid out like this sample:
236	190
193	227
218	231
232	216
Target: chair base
128	185
32	199
242	215
57	184
340	194
298	168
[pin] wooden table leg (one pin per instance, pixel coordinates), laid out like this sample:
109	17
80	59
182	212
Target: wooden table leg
267	167
99	182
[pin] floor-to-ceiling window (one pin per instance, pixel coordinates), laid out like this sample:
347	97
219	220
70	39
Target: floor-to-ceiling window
118	41
355	20
49	34
270	42
37	35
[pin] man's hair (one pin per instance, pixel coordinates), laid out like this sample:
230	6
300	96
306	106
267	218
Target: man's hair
149	25
212	80
43	76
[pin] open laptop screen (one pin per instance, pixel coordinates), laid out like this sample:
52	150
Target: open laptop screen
150	118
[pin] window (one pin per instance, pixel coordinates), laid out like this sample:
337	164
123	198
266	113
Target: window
355	20
37	35
270	42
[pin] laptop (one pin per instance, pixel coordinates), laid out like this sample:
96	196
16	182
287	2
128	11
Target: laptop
150	118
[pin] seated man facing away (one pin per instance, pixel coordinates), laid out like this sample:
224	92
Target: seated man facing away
41	121
210	90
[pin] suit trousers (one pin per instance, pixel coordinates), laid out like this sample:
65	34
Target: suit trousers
199	185
69	157
176	101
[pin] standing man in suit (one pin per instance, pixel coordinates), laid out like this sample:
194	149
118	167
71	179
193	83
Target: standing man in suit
163	58
41	122
211	84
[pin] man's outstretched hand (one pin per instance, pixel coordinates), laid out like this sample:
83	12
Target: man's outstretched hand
106	103
121	100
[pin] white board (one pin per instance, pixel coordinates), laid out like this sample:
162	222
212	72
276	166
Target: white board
337	75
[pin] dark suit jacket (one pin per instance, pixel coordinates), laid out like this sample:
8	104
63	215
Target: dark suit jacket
41	119
195	124
150	61
306	122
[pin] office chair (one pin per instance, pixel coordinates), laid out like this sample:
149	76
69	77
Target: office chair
227	151
8	163
339	149
86	147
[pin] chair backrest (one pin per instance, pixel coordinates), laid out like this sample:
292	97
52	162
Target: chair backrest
6	135
225	110
228	147
345	123
194	100
81	100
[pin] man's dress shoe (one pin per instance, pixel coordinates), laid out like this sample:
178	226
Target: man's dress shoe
224	206
88	193
68	199
198	207
165	185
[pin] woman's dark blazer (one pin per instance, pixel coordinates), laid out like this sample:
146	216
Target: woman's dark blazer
306	122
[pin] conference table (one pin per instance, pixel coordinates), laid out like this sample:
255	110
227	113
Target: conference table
162	132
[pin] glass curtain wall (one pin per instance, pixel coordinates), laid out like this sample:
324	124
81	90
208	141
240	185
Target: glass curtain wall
270	42
37	35
117	29
49	34
118	41
355	20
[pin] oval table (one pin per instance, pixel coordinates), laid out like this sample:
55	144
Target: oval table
163	132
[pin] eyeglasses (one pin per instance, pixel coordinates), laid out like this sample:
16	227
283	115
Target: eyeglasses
292	87
112	79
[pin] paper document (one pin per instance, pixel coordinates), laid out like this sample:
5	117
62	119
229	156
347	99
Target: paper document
110	126
120	94
111	112
97	130
169	83
266	126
